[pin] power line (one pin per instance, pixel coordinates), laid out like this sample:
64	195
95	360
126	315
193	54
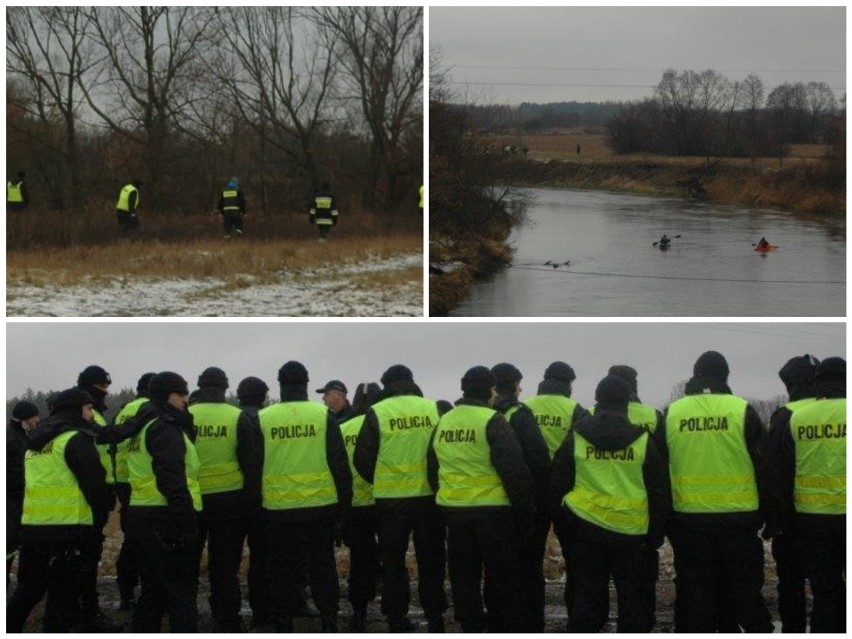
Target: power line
765	330
559	84
497	66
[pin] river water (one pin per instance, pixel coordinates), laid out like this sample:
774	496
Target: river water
615	271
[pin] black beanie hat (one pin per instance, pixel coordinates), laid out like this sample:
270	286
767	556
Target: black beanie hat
71	400
507	376
24	410
478	382
93	375
560	371
293	373
711	364
613	391
443	406
397	373
627	373
213	376
252	387
142	384
798	370
164	384
831	367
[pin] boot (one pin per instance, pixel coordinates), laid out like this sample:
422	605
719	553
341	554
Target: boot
328	622
284	624
435	624
100	623
358	623
400	624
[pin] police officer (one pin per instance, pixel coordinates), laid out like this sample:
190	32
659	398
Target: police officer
127	564
24	418
252	395
17	198
483	486
96	381
65	505
798	375
391	455
534	449
360	530
307	491
128	203
228	447
714	444
555	412
334	397
811	458
164	501
421	200
323	213
232	207
609	483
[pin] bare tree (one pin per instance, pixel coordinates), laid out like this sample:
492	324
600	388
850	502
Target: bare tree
46	49
382	54
822	103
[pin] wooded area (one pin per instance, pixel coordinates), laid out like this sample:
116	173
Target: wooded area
182	98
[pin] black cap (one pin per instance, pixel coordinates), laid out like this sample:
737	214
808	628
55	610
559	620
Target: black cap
711	364
252	387
293	373
478	382
506	374
334	384
627	373
93	376
213	377
397	373
831	367
164	384
71	400
612	391
142	384
24	410
366	394
799	370
560	371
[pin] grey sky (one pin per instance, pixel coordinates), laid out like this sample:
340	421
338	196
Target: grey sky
49	355
632	46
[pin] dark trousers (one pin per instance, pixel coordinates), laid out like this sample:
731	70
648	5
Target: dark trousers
396	524
258	579
726	619
233	223
52	568
363	556
649	565
127	564
531	574
594	563
286	543
714	554
127	220
788	552
488	542
169	586
225	539
825	554
88	589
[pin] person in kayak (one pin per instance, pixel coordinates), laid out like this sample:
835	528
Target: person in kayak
665	240
762	244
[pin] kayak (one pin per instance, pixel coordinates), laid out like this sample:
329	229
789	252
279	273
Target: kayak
766	249
665	247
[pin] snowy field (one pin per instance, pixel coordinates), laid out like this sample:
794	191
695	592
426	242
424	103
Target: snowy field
342	290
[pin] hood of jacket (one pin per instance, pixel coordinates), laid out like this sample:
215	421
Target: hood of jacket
551	386
699	385
53	426
608	430
209	395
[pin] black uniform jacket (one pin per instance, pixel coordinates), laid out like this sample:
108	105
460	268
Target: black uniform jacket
338	465
755	441
16	448
607	430
83	461
507	459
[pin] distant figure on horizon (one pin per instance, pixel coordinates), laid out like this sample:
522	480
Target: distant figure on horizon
232	207
128	202
578	149
17	198
323	212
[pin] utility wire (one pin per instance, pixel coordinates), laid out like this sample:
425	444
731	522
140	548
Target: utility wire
497	66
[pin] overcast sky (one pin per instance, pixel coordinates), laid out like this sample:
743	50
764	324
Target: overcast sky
49	355
632	46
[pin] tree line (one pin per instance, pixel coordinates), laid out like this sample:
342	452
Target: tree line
703	113
184	97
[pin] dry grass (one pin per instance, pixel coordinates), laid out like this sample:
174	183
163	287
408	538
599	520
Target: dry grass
234	260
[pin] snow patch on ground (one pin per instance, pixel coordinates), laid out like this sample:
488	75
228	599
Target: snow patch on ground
318	292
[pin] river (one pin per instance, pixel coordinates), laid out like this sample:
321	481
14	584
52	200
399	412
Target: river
712	270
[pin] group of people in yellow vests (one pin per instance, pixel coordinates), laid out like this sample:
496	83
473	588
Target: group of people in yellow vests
479	483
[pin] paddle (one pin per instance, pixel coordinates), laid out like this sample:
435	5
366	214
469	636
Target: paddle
657	242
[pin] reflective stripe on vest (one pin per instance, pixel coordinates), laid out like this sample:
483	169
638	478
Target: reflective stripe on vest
105	450
52	496
554	415
406	423
466	476
421	196
819	436
609	489
229	200
638	414
143	482
362	492
124	198
216	445
14	193
709	464
130	409
295	461
323	213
